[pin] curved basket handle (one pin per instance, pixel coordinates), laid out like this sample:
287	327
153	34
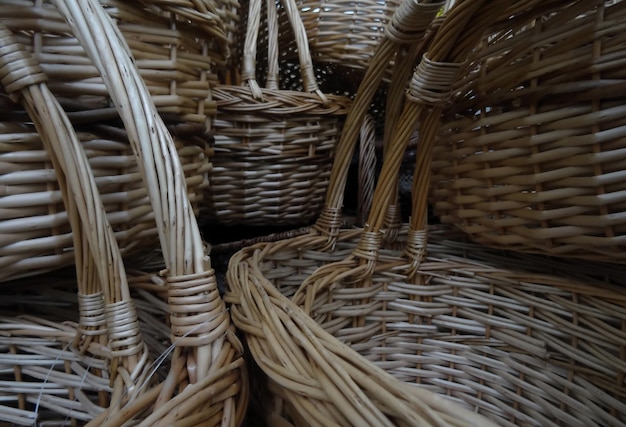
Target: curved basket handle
430	90
108	306
200	323
408	25
304	53
248	72
248	64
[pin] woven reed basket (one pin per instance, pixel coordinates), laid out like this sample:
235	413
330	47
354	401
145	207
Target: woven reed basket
273	147
530	156
176	59
416	333
102	357
345	32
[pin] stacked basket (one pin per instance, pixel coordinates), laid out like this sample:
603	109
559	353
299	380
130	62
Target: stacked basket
176	59
101	360
372	328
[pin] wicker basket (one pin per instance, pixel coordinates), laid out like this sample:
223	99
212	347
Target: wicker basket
375	327
177	56
35	232
531	153
99	368
273	147
175	59
345	32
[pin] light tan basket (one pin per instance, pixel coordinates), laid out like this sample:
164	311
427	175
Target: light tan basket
176	55
273	147
375	328
176	52
531	152
99	369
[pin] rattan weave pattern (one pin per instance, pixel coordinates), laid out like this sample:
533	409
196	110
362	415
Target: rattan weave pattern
531	154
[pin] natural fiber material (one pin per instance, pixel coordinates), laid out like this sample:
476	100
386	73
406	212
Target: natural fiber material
301	392
497	333
213	350
57	365
367	339
108	377
273	147
35	232
177	67
530	156
348	32
176	54
111	341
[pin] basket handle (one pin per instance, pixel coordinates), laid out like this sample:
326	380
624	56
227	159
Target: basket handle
107	309
430	89
408	25
200	323
304	53
248	72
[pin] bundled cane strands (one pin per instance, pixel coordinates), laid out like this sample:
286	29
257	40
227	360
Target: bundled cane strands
205	379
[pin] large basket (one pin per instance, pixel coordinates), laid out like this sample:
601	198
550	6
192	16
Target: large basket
375	328
273	147
531	153
100	369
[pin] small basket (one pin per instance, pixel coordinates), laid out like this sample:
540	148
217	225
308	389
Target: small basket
345	32
530	156
99	368
375	328
273	148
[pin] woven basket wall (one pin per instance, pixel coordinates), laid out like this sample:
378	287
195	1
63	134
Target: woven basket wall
177	48
345	32
273	147
35	232
531	154
176	55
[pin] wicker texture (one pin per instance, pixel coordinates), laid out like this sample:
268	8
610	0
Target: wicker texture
108	377
273	147
109	333
307	384
346	32
35	232
368	335
530	156
176	60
